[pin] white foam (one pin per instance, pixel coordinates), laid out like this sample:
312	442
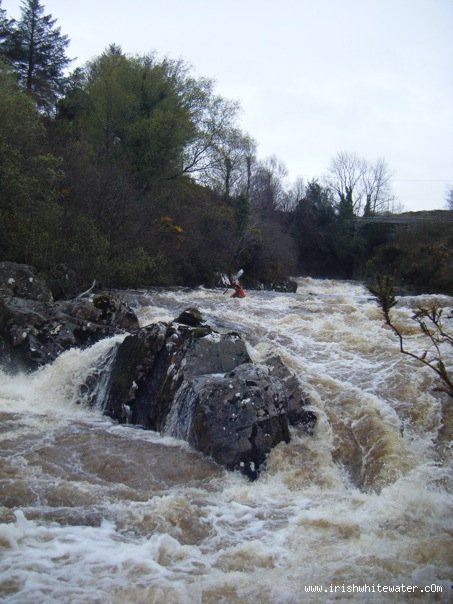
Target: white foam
55	388
366	500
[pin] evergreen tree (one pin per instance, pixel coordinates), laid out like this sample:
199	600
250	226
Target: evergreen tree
345	206
38	54
6	27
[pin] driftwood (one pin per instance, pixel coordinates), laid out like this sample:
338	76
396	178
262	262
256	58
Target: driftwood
88	291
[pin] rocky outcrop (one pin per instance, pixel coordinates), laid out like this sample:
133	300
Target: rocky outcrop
33	333
22	281
151	365
34	330
236	418
191	382
182	378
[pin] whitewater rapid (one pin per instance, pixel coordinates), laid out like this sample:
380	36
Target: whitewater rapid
95	512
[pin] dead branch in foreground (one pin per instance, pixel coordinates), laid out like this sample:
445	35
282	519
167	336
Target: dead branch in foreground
429	320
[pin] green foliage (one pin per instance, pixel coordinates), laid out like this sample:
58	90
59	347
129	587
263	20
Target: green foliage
30	178
267	253
143	177
212	148
37	51
85	251
346	205
420	257
127	131
130	114
325	242
135	268
242	213
195	232
6	28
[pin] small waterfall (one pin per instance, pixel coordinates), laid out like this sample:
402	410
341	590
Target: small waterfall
93	389
180	417
75	381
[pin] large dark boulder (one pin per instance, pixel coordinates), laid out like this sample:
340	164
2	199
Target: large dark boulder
188	381
151	365
34	333
236	418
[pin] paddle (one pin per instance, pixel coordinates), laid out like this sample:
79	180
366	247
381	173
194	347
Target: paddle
227	281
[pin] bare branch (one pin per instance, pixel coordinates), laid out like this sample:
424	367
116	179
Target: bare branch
383	291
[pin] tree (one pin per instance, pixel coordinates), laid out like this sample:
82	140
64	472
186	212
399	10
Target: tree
267	191
293	195
377	190
361	187
420	258
230	169
131	115
213	119
38	55
30	180
347	171
315	229
449	199
430	322
131	124
6	28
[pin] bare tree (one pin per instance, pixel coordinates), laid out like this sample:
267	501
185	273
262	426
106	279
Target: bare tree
346	174
449	199
430	323
361	187
267	187
293	196
376	185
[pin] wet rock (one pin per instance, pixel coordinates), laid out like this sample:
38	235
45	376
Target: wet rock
23	281
190	316
191	382
114	311
151	365
33	333
235	418
297	399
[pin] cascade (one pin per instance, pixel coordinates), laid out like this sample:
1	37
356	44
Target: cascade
94	511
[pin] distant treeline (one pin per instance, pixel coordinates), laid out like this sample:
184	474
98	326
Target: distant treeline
133	172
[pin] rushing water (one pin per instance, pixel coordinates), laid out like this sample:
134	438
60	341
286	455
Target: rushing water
92	512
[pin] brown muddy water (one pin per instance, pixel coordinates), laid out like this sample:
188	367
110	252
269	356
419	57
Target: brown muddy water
93	512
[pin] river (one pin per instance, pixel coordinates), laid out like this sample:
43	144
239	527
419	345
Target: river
362	511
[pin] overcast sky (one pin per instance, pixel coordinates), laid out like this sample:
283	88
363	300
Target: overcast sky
313	77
